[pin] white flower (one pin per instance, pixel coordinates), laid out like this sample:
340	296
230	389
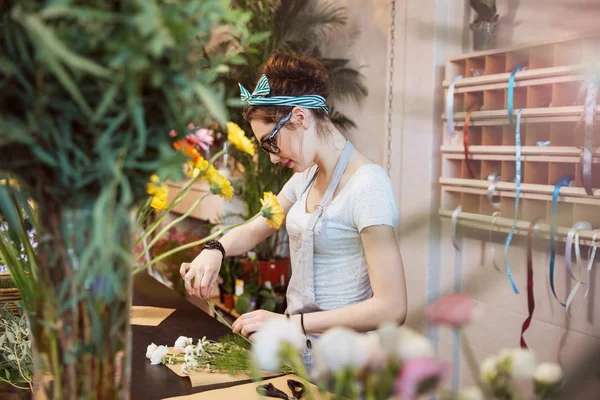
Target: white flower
158	355
470	393
339	348
181	343
403	343
184	369
267	342
521	363
188	349
374	349
150	350
488	370
548	374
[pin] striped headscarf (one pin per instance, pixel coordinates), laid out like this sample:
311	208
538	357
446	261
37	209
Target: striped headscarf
262	90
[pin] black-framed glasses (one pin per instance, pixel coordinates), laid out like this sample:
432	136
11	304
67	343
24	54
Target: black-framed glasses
268	145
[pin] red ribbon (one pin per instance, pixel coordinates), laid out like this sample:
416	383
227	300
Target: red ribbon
530	298
474	107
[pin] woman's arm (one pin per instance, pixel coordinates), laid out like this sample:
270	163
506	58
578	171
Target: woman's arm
388	303
386	273
204	269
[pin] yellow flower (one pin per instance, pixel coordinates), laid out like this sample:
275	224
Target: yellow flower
159	193
210	173
272	210
238	138
10	182
197	166
219	184
159	201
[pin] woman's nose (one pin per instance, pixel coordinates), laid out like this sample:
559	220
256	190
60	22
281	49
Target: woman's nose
274	158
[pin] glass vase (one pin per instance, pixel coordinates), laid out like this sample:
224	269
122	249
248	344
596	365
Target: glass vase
80	327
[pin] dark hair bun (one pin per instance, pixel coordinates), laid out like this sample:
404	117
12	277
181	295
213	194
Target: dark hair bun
295	74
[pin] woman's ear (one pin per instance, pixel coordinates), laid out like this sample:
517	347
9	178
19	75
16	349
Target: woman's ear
300	116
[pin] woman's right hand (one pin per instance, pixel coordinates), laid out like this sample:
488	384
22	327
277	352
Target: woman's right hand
201	274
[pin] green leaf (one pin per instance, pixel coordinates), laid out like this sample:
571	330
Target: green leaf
10	337
213	103
49	42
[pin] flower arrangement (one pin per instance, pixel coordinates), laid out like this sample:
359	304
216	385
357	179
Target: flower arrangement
230	355
397	361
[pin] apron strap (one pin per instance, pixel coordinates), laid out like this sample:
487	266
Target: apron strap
335	181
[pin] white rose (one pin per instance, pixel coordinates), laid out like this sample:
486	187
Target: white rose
150	350
488	370
470	393
521	362
158	355
181	343
412	345
404	343
548	374
188	349
268	341
339	348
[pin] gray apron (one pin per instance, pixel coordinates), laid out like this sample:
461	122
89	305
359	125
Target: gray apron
301	290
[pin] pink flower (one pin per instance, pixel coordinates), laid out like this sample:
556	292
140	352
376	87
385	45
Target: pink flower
172	133
201	137
455	310
420	376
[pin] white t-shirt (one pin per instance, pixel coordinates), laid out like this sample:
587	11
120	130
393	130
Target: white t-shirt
340	268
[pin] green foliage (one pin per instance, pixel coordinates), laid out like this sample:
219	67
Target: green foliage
16	366
485	9
90	90
282	25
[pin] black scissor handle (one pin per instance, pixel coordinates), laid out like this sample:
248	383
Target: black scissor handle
269	390
296	387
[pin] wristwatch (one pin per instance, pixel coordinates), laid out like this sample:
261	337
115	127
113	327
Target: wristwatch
215	245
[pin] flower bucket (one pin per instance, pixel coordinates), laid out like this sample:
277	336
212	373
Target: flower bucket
83	287
484	35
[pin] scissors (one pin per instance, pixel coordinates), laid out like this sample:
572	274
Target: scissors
269	390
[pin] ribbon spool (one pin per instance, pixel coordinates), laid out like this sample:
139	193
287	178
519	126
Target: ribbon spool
517	196
474	107
493	180
453	227
530	297
564	181
450	107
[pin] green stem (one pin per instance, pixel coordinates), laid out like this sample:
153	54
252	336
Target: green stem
340	382
220	318
192	244
182	193
471	361
170	225
294	357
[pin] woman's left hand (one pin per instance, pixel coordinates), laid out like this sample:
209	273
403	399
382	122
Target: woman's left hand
251	322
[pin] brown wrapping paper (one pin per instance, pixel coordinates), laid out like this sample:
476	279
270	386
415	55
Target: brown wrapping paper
149	316
248	391
205	377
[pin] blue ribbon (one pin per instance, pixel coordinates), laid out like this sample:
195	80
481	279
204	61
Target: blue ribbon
510	95
564	181
517	195
263	89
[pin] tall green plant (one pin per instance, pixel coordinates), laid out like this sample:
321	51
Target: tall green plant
286	25
88	93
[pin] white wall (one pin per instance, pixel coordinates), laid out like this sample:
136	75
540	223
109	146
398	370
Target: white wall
428	32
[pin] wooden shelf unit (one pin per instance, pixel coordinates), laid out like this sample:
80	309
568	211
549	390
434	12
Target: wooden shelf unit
551	93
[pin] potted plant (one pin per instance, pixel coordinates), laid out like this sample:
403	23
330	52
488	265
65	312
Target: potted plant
16	366
484	25
228	275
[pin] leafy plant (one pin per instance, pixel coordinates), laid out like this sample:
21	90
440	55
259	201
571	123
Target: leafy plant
485	9
16	366
89	93
285	25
